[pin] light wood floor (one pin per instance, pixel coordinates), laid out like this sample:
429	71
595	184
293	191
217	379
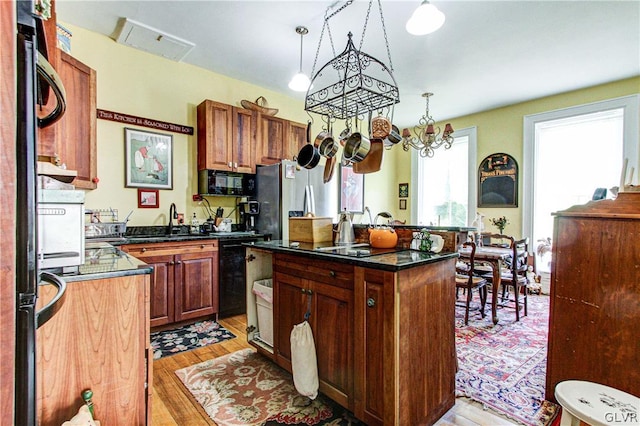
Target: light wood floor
172	404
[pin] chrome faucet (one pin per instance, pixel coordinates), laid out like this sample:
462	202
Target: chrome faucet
173	214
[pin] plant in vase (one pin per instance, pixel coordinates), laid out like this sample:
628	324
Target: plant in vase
500	223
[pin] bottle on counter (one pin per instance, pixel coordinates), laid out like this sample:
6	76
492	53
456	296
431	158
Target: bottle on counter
195	224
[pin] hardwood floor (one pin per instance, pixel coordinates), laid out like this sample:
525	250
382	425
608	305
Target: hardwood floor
173	405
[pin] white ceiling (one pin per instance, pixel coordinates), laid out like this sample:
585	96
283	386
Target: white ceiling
488	54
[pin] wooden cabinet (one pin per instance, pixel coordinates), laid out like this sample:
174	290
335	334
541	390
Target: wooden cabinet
76	130
98	340
184	282
326	290
226	137
279	139
73	138
595	295
296	138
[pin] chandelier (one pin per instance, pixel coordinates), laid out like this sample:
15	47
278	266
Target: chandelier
427	137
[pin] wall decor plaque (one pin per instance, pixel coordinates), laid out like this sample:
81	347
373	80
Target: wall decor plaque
498	181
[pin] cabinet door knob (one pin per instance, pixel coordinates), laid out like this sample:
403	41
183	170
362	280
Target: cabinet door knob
202	246
178	262
371	302
333	274
143	249
172	263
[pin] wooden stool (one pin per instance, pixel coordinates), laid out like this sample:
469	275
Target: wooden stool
587	403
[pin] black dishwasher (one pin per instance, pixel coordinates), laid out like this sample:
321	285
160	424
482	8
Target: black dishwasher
232	280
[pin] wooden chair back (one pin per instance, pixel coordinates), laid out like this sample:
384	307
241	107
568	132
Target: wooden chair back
489	239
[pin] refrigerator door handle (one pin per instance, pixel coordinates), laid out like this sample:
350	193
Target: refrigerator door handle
51	308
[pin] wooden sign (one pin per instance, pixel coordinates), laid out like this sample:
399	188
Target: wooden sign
145	122
498	181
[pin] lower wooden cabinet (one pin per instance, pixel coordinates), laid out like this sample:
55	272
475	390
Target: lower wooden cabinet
98	340
326	290
184	282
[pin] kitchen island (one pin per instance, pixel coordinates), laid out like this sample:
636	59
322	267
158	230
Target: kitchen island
382	320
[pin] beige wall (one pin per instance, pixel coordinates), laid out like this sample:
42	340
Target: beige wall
137	83
501	130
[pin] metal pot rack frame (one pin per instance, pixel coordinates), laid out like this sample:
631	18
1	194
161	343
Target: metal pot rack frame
364	83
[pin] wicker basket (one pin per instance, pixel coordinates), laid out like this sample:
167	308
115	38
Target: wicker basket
260	105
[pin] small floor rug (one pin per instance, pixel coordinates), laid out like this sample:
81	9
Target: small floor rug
244	388
504	366
203	333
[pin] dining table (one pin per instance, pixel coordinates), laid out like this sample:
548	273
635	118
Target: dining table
495	257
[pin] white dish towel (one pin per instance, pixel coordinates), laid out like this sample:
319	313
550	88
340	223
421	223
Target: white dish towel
304	364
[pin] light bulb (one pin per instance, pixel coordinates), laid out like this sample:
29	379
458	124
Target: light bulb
425	19
300	82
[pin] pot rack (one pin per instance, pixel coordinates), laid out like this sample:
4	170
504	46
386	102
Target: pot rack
364	83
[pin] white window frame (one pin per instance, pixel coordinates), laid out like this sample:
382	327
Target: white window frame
631	106
472	134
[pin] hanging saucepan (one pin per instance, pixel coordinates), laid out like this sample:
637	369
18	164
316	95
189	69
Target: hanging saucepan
357	147
393	137
325	143
308	157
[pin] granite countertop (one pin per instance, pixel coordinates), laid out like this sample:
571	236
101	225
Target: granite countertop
103	260
395	259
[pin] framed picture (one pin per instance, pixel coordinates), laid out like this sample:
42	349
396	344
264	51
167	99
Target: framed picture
148	159
403	190
351	190
403	204
498	181
148	198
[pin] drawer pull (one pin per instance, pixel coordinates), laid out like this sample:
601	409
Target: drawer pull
333	274
371	302
143	249
202	246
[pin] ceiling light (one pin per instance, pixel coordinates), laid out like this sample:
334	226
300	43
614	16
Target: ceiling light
427	137
425	19
300	82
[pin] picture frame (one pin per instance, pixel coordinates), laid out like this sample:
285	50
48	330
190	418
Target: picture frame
498	181
403	190
148	198
148	159
351	190
403	204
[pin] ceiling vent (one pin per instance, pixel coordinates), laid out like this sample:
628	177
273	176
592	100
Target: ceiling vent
144	37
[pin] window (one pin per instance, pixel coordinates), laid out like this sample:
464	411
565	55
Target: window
571	152
444	186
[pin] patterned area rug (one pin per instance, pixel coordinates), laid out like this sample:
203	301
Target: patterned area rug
504	366
244	388
203	333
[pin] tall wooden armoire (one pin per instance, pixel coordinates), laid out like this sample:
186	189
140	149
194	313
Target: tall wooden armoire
594	323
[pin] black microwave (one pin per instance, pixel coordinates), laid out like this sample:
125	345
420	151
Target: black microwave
215	182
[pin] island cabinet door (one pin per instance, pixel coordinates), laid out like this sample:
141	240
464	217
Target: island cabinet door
290	305
197	294
332	324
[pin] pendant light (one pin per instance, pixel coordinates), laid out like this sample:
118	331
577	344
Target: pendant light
300	82
425	19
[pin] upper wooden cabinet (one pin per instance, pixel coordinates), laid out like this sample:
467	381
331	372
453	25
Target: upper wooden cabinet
279	139
73	138
295	140
226	137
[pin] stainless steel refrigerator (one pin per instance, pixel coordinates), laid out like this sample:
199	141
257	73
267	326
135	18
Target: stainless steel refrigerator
285	189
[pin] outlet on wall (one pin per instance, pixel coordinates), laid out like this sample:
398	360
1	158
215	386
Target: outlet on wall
197	197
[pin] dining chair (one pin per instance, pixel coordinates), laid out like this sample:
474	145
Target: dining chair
468	280
513	277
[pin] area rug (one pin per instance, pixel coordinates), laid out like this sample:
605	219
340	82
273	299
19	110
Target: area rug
203	333
504	366
244	388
